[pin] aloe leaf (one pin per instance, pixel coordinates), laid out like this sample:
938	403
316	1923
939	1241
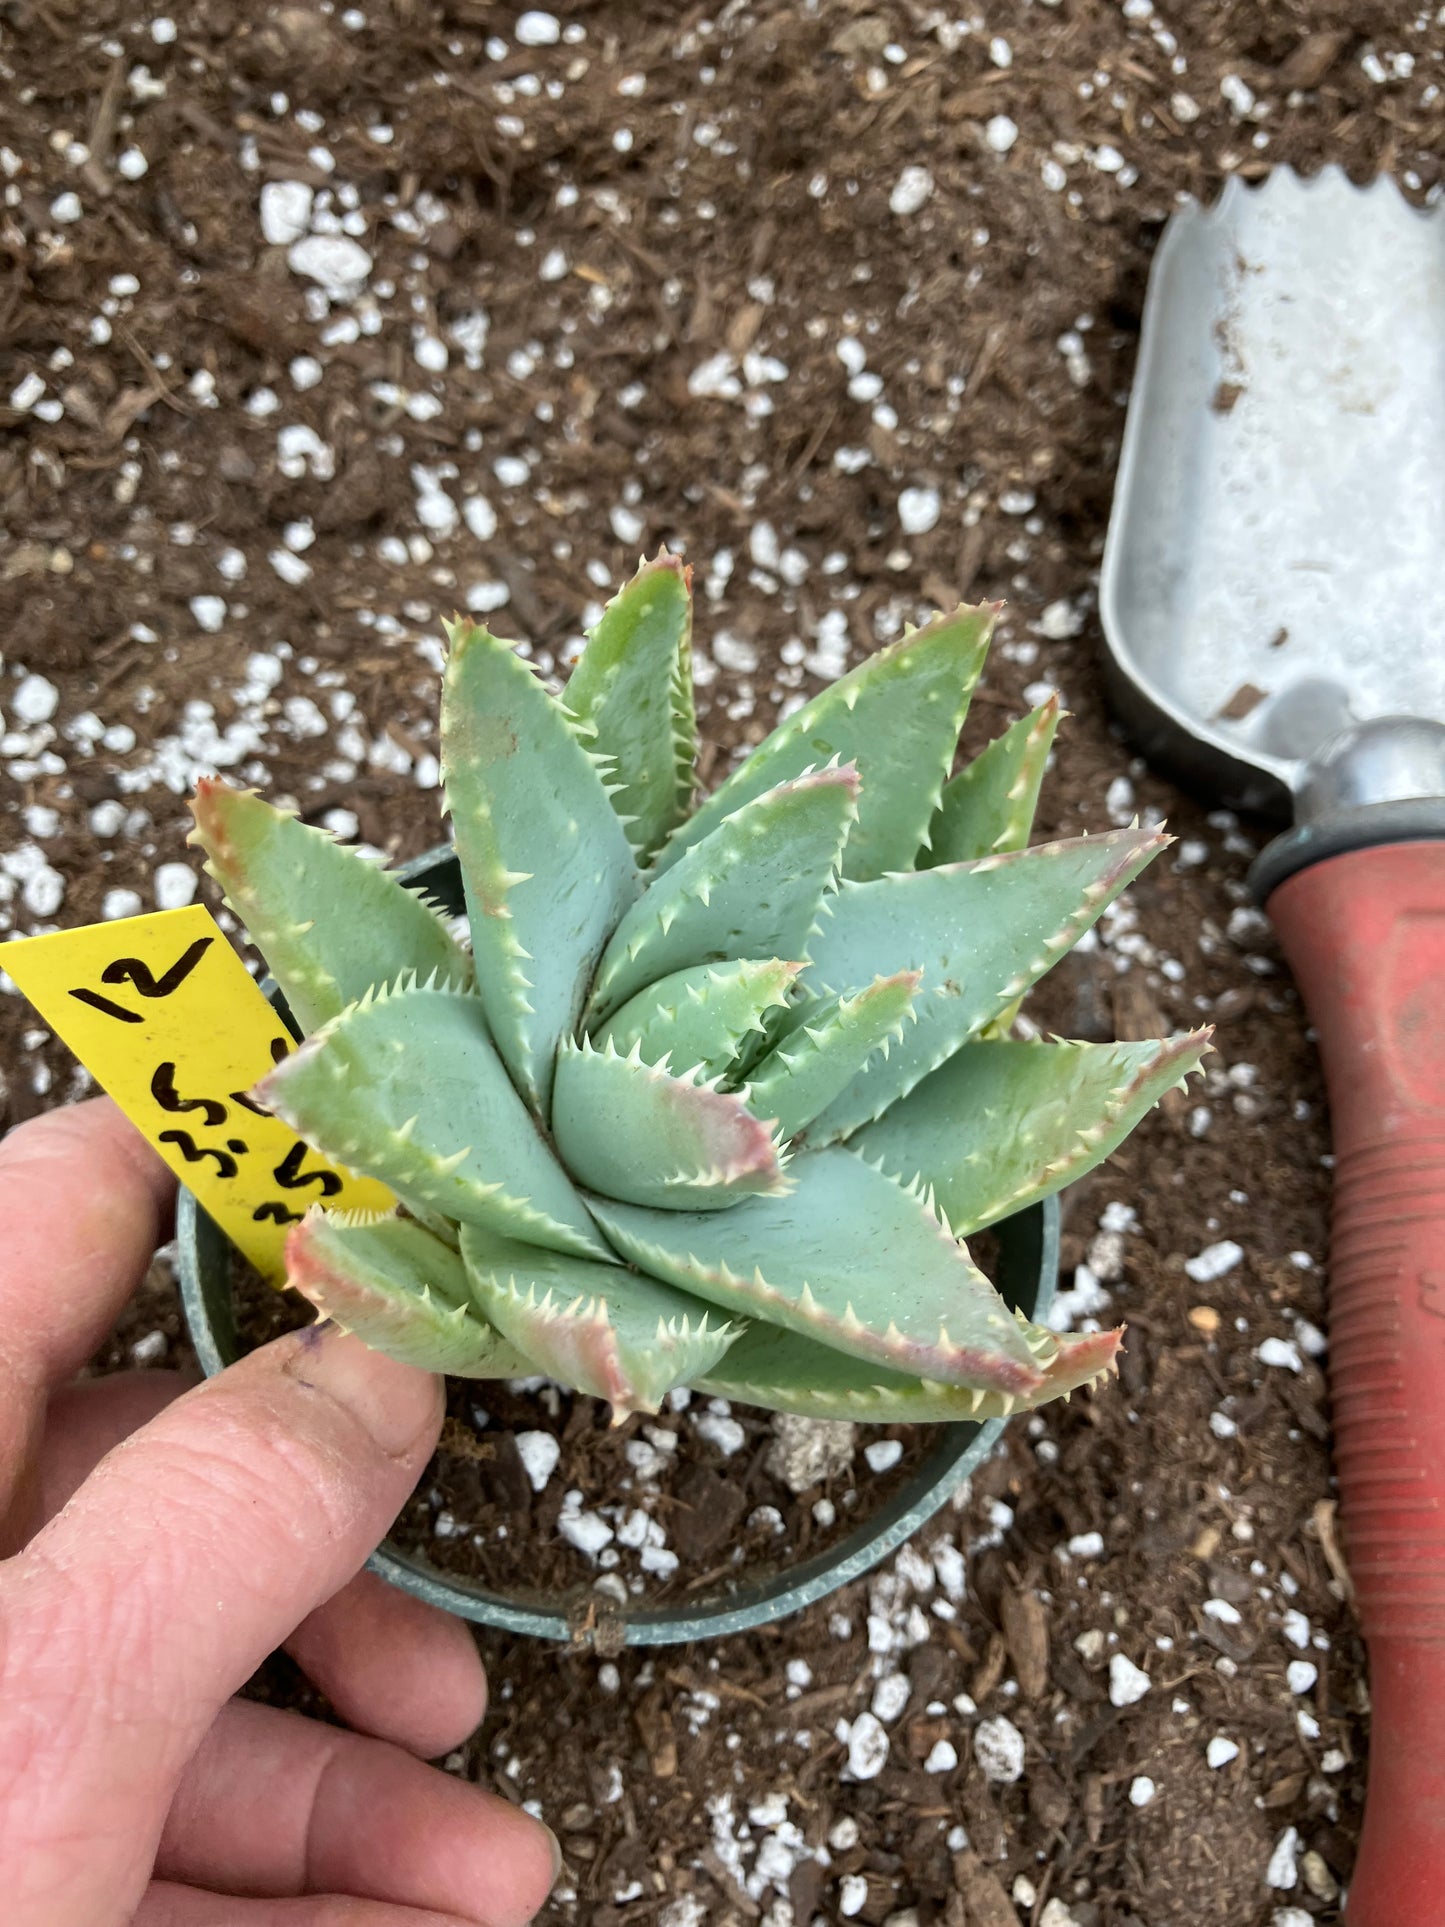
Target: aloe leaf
330	924
600	1328
851	1259
981	933
1005	1122
633	1131
547	865
457	1137
989	806
752	889
786	1372
896	717
400	1290
701	1016
633	688
817	1061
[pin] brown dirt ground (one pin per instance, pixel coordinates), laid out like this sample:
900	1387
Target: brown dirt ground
670	219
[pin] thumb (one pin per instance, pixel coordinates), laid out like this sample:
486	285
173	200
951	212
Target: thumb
190	1553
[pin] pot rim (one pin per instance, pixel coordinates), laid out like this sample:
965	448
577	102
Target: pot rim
1029	1257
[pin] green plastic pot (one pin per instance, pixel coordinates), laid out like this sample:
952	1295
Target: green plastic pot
1027	1274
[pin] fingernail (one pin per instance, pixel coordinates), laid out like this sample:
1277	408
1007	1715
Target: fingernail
556	1853
394	1403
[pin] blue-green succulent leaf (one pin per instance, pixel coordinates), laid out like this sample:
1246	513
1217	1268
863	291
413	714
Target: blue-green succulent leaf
633	688
406	1086
830	1047
702	1016
785	1372
547	864
753	888
981	933
896	717
989	806
1005	1122
631	1130
331	924
601	1328
400	1290
850	1258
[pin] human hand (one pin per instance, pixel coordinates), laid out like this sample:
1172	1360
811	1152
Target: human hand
161	1546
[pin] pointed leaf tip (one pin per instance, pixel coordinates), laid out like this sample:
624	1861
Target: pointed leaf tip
751	889
1005	1121
981	932
400	1290
456	1140
330	923
632	690
847	1259
632	1131
989	806
547	866
897	716
599	1327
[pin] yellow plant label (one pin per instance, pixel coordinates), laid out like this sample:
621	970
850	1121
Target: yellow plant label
166	1018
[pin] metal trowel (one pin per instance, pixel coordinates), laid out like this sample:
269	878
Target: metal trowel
1273	601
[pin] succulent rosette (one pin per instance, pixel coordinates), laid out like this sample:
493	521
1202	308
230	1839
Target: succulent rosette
708	1095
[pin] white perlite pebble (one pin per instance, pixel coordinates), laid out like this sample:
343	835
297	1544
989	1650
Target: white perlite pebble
943	1758
285	211
1001	133
1056	1914
715	376
537	29
43	891
883	1454
1291	1917
1301	1674
1220	1751
430	353
291	568
585	1530
852	1895
120	903
1283	1870
1215	1261
480	517
725	1433
334	262
1295	1628
998	1747
1141	1790
919	510
539	1453
26	392
688	1910
209	612
34	700
867	1748
890	1696
175	885
1282	1352
912	188
1127	1684
807	1451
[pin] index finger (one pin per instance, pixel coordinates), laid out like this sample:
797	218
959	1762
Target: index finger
84	1202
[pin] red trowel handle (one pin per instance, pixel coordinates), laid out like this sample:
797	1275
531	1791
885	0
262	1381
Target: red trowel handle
1365	937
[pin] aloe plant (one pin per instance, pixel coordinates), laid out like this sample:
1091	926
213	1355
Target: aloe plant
707	1096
